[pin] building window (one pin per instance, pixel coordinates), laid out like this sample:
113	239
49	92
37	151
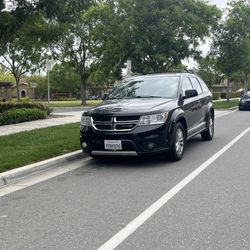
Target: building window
23	93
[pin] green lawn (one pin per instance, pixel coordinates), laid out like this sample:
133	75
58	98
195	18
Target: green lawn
28	147
225	104
76	103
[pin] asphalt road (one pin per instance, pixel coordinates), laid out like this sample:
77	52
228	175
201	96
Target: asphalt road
85	208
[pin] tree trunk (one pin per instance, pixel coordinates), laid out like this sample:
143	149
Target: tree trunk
83	87
228	88
17	87
246	83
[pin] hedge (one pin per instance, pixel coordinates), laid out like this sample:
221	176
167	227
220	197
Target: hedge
223	95
235	94
64	99
232	95
216	96
21	115
5	106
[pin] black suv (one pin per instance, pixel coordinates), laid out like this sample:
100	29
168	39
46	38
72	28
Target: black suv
150	114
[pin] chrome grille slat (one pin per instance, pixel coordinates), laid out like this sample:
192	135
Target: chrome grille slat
115	124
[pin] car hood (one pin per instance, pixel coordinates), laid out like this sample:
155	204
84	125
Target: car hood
246	97
132	106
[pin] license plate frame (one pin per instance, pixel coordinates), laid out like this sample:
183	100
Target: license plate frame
113	145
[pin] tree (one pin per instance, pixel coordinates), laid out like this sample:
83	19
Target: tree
22	54
157	35
101	35
41	81
13	19
6	77
232	41
208	70
77	43
64	78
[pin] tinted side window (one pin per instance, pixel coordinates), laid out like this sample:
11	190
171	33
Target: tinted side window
203	85
196	85
186	84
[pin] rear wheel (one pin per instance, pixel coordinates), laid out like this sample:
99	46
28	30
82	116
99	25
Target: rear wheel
208	134
178	144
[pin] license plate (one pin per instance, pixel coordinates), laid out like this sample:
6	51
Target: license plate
113	144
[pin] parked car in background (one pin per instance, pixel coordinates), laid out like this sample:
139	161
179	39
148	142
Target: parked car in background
150	114
245	101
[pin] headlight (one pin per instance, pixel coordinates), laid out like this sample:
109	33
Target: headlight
153	119
242	100
86	121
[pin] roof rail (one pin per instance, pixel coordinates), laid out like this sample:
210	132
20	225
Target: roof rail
166	72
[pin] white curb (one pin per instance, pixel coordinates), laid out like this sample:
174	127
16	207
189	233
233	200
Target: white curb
14	175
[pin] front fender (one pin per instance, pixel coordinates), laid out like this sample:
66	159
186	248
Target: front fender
177	115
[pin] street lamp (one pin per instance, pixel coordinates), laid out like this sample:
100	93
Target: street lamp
48	65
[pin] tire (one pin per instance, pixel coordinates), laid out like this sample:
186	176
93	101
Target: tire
178	143
208	134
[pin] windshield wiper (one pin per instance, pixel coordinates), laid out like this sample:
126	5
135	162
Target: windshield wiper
148	96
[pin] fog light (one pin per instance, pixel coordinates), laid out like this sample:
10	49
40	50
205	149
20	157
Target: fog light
84	145
83	128
151	145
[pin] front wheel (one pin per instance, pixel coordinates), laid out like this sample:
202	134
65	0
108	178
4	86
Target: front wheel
178	143
208	134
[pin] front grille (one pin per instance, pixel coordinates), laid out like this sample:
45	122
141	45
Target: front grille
117	123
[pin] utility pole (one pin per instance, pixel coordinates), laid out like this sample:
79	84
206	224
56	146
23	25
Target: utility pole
129	69
48	65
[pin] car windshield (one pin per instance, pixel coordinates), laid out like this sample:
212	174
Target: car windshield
247	93
153	87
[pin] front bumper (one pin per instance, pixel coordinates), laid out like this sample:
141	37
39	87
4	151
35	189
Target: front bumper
143	140
244	106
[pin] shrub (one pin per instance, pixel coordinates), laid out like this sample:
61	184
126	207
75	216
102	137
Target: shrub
223	95
65	99
22	99
216	96
5	106
235	94
21	115
232	95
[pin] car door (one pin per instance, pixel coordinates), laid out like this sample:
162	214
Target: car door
189	105
199	104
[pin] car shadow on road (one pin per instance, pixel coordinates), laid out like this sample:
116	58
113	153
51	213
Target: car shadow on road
132	162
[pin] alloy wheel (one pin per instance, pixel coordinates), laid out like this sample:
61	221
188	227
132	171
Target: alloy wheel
179	143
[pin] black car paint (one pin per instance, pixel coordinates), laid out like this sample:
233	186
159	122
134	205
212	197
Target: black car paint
192	112
246	104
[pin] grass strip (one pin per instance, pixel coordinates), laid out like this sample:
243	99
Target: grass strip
24	148
225	104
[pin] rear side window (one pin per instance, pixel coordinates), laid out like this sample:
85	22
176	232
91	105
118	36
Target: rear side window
203	85
196	85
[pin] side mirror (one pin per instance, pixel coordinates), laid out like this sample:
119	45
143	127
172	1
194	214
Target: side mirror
190	93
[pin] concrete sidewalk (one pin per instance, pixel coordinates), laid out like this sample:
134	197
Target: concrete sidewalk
224	100
63	117
59	117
